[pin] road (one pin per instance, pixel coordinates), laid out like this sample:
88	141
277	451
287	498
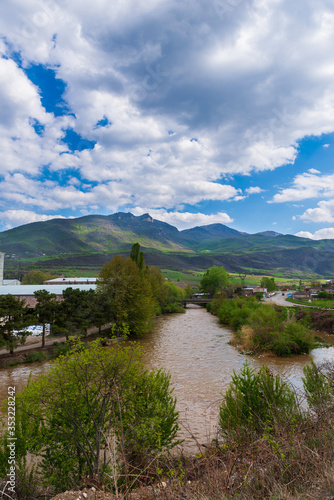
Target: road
280	300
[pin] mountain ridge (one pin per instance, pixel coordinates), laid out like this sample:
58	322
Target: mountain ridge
115	233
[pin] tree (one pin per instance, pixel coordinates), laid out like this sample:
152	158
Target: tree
95	412
45	308
13	314
214	279
36	277
268	283
137	256
100	309
74	312
242	276
130	294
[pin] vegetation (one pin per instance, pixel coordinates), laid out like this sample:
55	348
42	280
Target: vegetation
316	319
214	280
129	291
264	328
326	304
36	277
13	315
269	446
87	243
97	413
45	309
255	402
268	283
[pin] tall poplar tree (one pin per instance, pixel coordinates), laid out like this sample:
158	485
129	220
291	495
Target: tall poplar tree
129	292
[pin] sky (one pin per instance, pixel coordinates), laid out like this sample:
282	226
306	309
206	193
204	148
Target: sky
196	112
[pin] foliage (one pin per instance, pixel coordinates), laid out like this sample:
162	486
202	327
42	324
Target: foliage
262	327
214	279
137	256
319	303
319	387
129	293
74	312
46	308
96	411
14	316
36	277
218	301
268	283
33	357
173	297
254	401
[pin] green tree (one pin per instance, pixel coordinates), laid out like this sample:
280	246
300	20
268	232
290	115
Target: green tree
268	283
137	256
46	307
100	309
214	279
97	412
36	277
14	316
130	294
74	312
188	291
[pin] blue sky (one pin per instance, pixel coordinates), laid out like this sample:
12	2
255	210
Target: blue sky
195	112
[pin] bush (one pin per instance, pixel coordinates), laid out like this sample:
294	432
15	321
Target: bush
299	335
254	402
97	413
33	357
319	387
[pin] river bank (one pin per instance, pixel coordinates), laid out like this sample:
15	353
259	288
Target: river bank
196	349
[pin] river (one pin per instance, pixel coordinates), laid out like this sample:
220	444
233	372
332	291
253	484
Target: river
196	351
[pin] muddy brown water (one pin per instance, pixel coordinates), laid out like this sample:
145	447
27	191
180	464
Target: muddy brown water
195	349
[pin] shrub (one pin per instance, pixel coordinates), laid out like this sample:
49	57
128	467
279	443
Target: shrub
319	388
33	357
254	401
97	413
226	310
299	335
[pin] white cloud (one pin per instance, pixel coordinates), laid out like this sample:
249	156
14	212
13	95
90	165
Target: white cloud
254	190
307	185
13	218
191	95
185	220
326	145
322	234
323	213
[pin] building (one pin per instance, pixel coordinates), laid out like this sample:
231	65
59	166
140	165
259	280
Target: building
249	291
26	292
71	281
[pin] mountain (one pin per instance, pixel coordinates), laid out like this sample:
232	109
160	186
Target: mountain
92	233
212	231
92	240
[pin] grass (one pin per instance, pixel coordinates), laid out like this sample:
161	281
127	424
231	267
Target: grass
183	278
325	304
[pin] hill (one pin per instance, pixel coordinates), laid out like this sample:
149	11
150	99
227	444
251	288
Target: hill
91	240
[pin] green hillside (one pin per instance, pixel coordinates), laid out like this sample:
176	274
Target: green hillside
88	242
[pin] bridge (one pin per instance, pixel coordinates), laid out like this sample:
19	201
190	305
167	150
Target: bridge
195	300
